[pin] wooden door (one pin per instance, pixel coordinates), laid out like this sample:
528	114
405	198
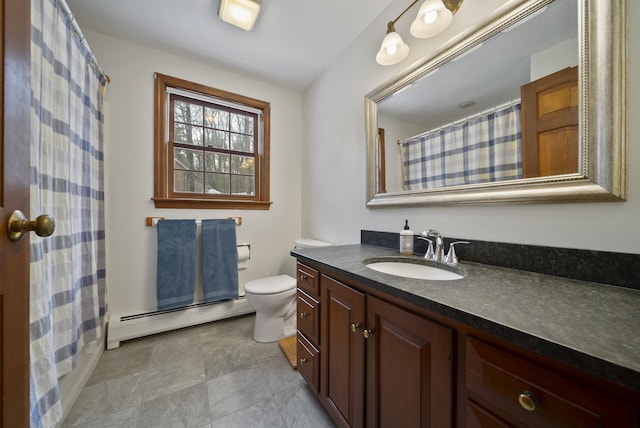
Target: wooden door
342	352
409	369
550	143
14	195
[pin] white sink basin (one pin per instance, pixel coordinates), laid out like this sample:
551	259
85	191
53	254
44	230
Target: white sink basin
412	270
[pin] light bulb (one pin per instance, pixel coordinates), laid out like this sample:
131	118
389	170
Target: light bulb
430	17
391	49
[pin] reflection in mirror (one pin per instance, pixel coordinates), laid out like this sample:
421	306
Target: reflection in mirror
508	113
474	132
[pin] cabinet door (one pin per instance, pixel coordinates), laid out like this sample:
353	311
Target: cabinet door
342	364
409	369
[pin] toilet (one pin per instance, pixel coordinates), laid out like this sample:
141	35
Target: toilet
274	299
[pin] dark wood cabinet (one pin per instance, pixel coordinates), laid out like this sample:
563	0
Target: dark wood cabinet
308	323
409	369
343	365
375	360
527	395
406	358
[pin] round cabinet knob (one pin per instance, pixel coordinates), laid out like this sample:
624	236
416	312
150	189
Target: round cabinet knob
303	314
303	277
355	327
43	225
367	333
528	400
303	360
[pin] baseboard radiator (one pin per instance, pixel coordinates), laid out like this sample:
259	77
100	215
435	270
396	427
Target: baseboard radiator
133	326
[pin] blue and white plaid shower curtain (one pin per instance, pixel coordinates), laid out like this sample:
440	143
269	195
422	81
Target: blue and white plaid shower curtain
68	298
479	149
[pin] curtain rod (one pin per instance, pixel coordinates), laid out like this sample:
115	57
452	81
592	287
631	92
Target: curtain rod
83	41
464	119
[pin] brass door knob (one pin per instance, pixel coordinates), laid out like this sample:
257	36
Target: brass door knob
303	314
367	333
303	360
43	225
355	327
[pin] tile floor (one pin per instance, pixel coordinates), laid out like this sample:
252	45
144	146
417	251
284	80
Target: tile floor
214	375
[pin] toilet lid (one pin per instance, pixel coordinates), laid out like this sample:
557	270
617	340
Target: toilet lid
270	285
310	243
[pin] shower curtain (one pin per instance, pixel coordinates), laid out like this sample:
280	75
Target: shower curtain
67	286
483	148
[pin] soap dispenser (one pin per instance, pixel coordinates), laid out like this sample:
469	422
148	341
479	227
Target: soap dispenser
406	240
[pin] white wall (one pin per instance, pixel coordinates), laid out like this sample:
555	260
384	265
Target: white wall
131	246
394	131
334	156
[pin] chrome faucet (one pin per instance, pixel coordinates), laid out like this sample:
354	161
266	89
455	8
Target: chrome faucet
436	255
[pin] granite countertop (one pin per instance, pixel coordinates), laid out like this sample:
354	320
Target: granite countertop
591	326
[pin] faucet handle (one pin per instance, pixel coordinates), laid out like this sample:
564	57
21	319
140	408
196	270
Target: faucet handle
430	254
451	257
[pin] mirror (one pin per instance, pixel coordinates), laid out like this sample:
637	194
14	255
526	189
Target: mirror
424	100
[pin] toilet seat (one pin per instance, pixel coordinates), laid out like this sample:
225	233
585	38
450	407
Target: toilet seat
271	285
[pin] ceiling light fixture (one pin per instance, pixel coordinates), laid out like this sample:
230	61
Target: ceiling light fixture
434	16
241	13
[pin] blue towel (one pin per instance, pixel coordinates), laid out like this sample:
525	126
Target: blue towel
176	272
219	260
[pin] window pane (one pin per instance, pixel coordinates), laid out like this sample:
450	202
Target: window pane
187	159
187	181
217	162
187	134
217	183
187	113
242	185
242	143
216	139
216	118
242	124
244	165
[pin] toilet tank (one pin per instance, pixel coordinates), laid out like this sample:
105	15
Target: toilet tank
310	243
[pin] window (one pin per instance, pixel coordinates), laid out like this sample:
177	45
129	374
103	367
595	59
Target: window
211	147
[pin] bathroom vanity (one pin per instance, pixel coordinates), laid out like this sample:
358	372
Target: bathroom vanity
497	348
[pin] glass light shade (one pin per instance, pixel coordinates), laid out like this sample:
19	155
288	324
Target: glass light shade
393	49
241	13
433	18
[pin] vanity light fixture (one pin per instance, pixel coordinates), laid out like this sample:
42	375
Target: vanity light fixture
241	13
434	16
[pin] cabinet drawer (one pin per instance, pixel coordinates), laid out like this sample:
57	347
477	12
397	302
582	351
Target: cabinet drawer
308	279
477	417
506	385
309	317
308	362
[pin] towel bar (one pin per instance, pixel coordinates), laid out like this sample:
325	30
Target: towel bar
153	221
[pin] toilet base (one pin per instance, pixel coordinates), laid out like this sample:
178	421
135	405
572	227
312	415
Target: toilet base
268	329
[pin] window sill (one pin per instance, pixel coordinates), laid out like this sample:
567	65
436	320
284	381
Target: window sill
210	204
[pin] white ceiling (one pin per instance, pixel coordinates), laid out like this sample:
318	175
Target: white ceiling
292	43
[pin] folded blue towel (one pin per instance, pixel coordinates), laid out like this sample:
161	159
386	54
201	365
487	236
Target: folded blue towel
176	272
219	260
